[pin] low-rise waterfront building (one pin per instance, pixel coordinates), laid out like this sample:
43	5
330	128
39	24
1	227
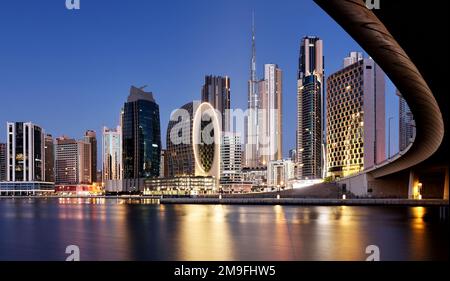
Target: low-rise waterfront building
26	188
280	173
181	185
257	176
25	165
78	189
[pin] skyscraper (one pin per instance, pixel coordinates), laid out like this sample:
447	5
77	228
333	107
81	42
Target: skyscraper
112	154
231	159
72	161
192	150
25	152
2	161
49	159
356	117
180	154
91	137
216	91
352	58
310	109
141	135
270	146
163	166
251	124
293	154
25	160
407	125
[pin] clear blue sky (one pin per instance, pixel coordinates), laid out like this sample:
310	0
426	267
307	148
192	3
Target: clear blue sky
69	71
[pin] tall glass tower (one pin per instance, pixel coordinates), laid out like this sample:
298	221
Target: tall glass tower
310	109
25	152
141	135
91	137
216	91
112	153
251	124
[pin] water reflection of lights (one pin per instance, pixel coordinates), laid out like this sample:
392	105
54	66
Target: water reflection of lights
81	201
418	218
204	233
279	214
324	215
219	214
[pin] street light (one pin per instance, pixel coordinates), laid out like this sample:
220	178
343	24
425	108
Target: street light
419	191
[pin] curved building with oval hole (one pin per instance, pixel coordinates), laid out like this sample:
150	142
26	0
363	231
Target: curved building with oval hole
193	141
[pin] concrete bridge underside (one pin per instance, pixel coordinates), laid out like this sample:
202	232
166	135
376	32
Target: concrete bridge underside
417	64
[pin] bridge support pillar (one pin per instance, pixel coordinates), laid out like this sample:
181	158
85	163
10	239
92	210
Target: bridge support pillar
446	184
413	185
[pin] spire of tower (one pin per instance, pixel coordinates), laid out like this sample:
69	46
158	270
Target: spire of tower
253	62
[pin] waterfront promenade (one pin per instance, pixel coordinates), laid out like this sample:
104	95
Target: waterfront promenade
259	200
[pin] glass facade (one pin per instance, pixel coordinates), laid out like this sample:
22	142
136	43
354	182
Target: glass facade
91	137
312	127
310	109
112	154
407	125
49	159
180	155
141	136
19	153
345	121
2	161
25	152
216	91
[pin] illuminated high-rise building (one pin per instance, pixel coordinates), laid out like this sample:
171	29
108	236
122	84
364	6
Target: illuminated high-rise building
141	136
163	166
25	160
407	125
231	158
25	152
193	141
270	146
216	91
310	112
355	118
180	152
49	158
252	118
72	161
112	154
91	137
2	161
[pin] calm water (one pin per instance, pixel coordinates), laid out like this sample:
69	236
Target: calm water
122	229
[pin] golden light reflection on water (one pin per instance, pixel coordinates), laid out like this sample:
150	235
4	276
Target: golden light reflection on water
96	219
418	218
125	228
75	209
337	235
282	236
418	232
204	235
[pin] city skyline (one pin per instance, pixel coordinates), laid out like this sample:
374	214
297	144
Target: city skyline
195	133
233	63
